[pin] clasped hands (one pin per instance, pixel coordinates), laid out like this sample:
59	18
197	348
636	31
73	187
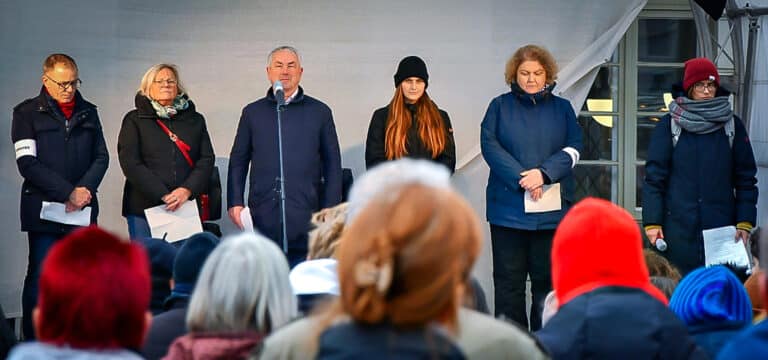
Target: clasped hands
78	198
532	181
174	199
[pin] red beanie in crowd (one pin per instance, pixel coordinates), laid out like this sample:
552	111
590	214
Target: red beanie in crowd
699	69
598	244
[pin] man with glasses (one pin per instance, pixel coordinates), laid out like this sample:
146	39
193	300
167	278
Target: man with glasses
62	156
311	158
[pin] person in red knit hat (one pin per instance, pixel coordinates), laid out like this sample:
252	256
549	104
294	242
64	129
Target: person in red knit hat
603	290
94	299
700	172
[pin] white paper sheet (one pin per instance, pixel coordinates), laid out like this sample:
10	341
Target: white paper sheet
550	200
174	225
720	247
245	218
56	212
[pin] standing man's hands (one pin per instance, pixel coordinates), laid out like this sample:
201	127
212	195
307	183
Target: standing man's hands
78	198
653	234
234	215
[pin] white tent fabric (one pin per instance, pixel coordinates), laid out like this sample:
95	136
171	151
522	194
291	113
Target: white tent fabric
350	51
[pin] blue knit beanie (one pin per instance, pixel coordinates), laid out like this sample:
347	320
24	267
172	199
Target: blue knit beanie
709	296
190	259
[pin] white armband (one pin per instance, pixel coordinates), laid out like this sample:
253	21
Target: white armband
25	147
573	153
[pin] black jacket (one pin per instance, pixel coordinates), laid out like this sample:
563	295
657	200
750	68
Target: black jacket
68	155
375	152
165	328
152	164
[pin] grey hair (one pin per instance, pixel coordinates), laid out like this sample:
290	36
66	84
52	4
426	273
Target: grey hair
243	286
395	174
149	77
281	48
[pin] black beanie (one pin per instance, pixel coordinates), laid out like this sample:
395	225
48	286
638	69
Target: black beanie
191	257
411	66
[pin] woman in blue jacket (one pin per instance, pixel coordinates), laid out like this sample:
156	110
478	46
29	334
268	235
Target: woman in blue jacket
529	138
700	171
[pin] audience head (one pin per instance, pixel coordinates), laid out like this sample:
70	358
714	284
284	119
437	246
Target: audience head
243	286
392	174
407	256
323	239
190	259
659	266
709	296
598	244
94	292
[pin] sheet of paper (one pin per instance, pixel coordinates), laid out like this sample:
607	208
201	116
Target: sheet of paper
174	225
245	218
550	200
56	212
721	248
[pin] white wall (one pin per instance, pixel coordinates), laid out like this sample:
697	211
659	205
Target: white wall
350	51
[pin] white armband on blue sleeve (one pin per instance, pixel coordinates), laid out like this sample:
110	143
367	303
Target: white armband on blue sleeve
573	153
25	147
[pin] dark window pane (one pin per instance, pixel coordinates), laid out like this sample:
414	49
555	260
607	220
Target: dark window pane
604	93
666	40
652	83
645	126
598	137
596	180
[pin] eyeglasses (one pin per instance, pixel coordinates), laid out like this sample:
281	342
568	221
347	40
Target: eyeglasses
63	86
167	82
701	86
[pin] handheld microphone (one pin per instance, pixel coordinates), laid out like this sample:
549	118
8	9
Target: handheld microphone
277	88
661	245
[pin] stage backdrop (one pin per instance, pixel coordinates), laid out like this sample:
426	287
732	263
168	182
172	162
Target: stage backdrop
350	50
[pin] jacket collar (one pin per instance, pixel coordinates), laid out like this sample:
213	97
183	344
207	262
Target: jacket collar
534	99
46	103
297	98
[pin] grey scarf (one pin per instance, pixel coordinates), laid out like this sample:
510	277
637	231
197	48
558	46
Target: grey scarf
165	112
701	116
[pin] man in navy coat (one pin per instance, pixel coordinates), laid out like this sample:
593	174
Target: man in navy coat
62	156
311	158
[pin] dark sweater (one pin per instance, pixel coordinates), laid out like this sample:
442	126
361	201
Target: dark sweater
375	152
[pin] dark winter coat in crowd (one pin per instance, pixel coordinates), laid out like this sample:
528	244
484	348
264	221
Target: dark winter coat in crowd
751	343
7	337
617	323
351	340
375	152
520	132
233	346
312	165
166	327
701	183
69	154
152	164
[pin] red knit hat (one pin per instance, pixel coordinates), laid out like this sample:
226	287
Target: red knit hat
598	244
699	69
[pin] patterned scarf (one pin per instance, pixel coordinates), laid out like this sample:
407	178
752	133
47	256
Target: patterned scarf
165	112
701	116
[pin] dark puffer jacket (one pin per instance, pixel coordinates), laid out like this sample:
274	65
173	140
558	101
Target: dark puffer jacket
152	164
67	156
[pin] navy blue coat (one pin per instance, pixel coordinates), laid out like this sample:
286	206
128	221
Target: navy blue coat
617	323
701	183
67	156
312	165
522	132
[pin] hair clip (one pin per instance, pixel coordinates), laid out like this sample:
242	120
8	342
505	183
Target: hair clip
367	274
